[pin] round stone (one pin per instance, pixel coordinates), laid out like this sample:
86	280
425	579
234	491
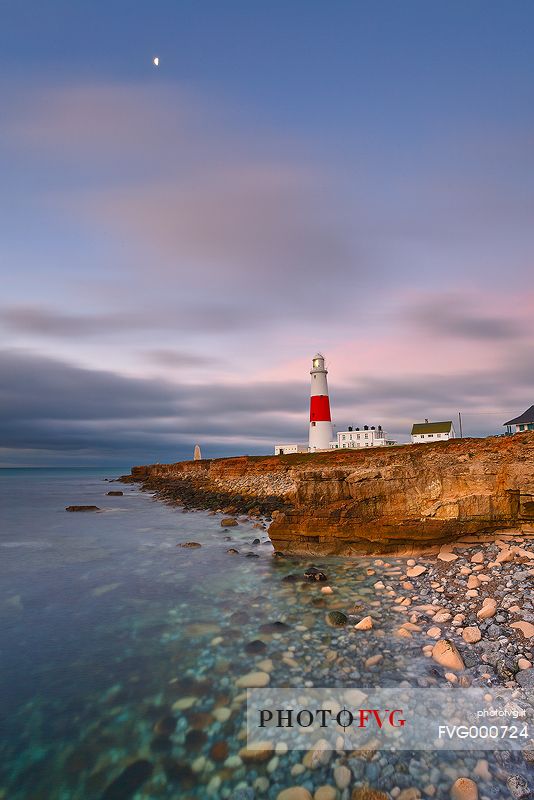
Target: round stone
464	789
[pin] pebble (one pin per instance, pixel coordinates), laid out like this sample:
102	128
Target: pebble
524	663
372	661
481	770
412	793
221	714
364	624
184	703
327	590
488	610
414	572
526	628
342	776
446	655
253	680
464	789
518	786
445	555
325	793
262	751
471	634
434	632
294	793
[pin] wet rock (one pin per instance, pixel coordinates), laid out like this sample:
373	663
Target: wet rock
274	627
232	551
446	655
253	680
506	669
368	793
262	751
256	541
342	776
252	555
191	545
336	619
464	789
314	574
518	787
160	744
82	508
525	678
292	578
165	726
114	494
129	781
219	751
180	773
195	740
255	647
239	618
229	522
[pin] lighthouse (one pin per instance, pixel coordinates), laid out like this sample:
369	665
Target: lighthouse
321	430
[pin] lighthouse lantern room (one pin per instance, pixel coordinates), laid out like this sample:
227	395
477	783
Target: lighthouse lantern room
321	430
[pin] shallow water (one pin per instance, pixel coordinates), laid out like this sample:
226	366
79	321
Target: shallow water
106	623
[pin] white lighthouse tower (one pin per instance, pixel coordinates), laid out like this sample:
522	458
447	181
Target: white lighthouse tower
321	430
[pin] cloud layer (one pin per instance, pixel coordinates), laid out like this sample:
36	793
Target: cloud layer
172	268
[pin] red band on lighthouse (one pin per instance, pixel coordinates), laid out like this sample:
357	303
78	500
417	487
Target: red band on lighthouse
320	408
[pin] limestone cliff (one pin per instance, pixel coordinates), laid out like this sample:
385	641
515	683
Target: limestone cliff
345	502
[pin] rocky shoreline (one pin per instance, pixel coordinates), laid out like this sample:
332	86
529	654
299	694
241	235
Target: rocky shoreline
361	502
470	611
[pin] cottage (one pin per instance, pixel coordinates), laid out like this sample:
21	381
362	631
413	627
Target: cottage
525	422
427	432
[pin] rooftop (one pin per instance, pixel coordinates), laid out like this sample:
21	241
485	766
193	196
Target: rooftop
431	427
526	417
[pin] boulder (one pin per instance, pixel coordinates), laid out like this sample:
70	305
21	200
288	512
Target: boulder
229	522
114	494
82	508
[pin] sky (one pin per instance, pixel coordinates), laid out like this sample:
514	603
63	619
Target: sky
177	242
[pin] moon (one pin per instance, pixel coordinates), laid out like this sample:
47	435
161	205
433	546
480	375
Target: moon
155	61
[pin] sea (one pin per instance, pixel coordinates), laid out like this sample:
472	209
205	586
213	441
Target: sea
120	650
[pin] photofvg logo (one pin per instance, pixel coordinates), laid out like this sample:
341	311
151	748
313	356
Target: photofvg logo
390	719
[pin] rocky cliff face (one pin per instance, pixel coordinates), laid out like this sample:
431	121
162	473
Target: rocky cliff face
370	500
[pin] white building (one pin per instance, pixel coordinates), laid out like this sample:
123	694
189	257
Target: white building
427	432
366	437
288	449
525	422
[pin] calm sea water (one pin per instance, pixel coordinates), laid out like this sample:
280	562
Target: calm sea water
106	624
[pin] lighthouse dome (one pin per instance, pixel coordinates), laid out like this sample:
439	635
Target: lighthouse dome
318	355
